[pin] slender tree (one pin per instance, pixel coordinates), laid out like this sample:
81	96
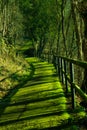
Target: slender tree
82	8
10	20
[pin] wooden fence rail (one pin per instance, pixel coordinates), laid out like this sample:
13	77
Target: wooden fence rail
66	73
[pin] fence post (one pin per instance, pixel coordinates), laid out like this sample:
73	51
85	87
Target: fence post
58	59
57	68
61	70
54	60
56	63
72	88
65	69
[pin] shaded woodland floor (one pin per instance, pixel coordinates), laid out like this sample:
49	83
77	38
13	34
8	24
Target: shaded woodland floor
38	102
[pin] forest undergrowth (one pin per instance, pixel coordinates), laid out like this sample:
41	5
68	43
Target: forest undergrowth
13	68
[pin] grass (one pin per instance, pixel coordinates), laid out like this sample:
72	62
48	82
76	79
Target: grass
25	48
38	102
13	68
31	95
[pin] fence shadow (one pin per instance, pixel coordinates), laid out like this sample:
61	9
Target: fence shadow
37	98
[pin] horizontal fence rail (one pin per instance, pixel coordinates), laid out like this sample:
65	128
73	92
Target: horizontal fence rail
65	70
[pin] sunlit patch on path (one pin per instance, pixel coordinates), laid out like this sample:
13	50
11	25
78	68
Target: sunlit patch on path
37	104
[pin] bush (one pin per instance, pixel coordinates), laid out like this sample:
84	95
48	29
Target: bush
13	67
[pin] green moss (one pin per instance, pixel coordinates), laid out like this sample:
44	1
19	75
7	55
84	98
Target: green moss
39	102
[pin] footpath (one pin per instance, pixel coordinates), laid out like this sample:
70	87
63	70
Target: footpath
39	103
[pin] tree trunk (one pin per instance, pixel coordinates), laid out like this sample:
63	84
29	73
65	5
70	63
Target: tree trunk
78	40
84	84
82	8
77	31
63	27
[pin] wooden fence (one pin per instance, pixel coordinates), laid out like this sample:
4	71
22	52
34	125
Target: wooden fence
66	74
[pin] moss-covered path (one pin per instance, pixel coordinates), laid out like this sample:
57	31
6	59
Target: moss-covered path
38	103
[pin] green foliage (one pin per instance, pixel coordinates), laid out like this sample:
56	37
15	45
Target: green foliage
12	68
47	23
37	18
